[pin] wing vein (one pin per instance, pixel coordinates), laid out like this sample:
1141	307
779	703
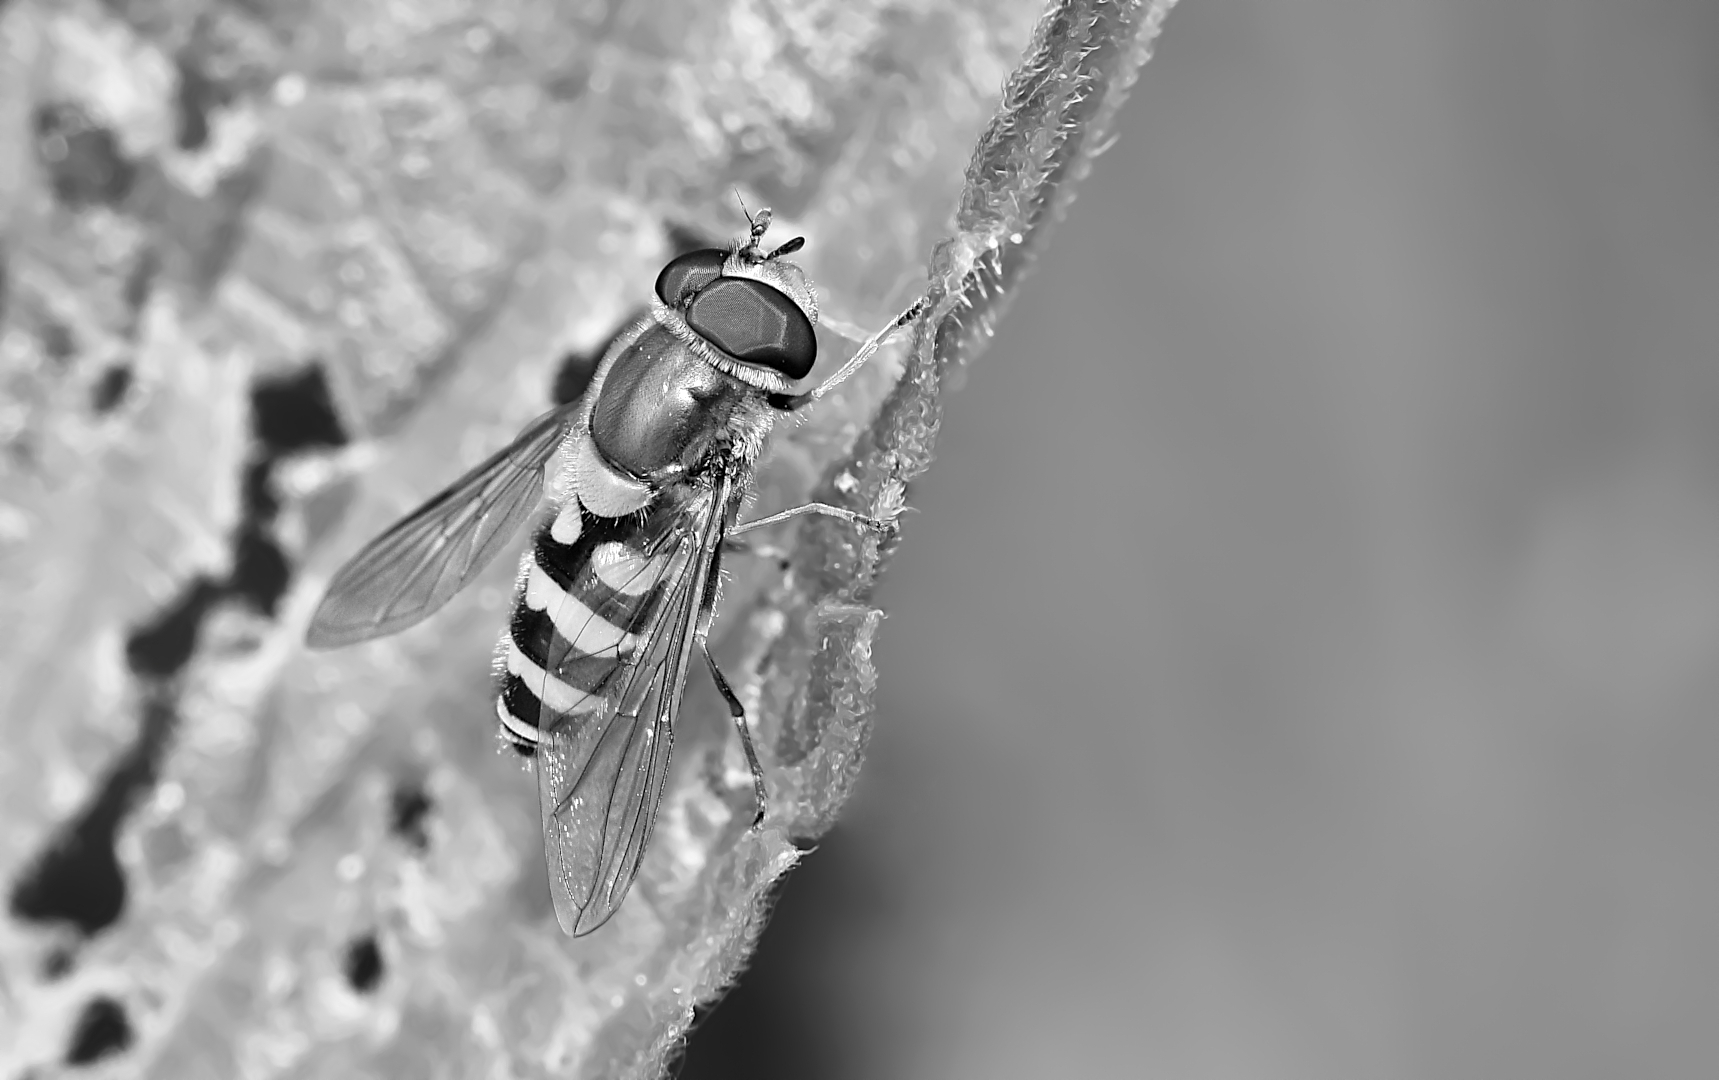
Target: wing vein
427	557
599	789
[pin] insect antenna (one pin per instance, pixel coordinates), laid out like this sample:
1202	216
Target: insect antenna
757	226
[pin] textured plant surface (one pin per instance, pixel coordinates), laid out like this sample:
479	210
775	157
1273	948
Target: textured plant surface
272	273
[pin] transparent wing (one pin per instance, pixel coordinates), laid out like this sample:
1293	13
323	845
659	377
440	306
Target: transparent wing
423	560
601	764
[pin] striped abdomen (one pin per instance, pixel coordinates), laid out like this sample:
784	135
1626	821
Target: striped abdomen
590	595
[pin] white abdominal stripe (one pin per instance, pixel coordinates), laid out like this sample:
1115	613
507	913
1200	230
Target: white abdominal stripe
518	732
579	685
625	571
584	629
549	689
587	596
552	628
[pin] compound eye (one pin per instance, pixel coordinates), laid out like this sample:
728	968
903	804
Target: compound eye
685	276
754	322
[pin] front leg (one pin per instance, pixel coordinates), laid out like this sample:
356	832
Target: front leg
790	402
852	517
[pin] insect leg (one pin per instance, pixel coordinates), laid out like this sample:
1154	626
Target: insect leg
852	517
843	329
738	711
790	402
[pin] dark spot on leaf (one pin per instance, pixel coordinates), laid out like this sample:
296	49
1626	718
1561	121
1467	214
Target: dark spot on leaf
140	279
291	413
110	388
296	412
77	879
568	83
163	646
57	963
57	340
199	95
409	808
363	964
102	1031
83	160
260	570
257	498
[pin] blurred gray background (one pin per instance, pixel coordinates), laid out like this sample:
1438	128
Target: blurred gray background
1303	663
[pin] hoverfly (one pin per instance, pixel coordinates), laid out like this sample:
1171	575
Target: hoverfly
645	475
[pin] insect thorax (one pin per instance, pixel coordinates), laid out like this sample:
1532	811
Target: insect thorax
661	410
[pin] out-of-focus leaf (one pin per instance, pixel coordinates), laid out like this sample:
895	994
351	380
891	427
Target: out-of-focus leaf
388	220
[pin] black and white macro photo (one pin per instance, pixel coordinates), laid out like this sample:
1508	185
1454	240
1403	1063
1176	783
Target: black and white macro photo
858	540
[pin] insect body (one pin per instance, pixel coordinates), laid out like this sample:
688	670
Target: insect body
650	468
